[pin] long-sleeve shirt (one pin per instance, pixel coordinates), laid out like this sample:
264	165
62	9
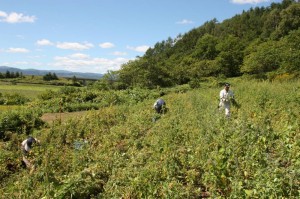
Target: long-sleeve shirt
225	96
159	103
27	144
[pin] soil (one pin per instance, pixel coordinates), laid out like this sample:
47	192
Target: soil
50	117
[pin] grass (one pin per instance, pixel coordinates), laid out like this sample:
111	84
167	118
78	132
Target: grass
193	151
30	91
8	107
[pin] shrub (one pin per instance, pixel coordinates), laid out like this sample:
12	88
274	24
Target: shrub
19	121
13	99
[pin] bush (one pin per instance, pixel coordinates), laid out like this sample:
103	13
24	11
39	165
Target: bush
13	99
19	121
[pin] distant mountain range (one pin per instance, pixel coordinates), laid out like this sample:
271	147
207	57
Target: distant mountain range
59	73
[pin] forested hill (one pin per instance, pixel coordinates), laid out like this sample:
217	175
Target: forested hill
263	41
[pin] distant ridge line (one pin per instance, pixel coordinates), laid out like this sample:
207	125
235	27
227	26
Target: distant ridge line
59	73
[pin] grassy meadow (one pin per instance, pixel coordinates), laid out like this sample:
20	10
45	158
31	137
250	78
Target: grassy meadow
30	91
192	151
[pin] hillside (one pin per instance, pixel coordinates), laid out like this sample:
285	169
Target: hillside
190	152
261	42
59	73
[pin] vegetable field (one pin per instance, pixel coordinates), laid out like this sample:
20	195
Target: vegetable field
192	151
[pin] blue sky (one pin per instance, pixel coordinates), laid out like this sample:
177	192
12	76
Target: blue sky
99	35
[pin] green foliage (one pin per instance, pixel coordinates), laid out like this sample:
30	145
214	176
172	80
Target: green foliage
13	99
30	91
19	121
192	151
273	56
9	74
50	76
290	20
115	150
109	81
70	99
206	47
231	56
228	48
264	58
291	53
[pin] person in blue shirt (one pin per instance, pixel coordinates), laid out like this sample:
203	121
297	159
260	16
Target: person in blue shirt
159	106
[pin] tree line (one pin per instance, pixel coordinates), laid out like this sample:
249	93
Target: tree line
262	41
9	74
50	76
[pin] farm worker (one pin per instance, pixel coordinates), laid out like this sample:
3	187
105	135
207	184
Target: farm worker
159	105
26	146
226	96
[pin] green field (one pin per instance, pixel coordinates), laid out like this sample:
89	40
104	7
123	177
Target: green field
30	91
192	151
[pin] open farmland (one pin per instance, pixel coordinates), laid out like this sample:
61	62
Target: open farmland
190	152
30	91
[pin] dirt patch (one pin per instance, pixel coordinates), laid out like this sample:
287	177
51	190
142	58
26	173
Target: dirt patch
50	117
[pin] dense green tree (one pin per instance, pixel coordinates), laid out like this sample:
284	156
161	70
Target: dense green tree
110	80
230	57
181	73
205	68
290	20
251	42
131	72
266	57
206	48
50	76
271	22
54	76
291	53
186	44
209	27
7	74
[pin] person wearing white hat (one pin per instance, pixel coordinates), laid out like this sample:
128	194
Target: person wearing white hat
226	96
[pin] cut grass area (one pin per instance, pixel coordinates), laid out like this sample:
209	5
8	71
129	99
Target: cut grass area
8	107
62	117
28	90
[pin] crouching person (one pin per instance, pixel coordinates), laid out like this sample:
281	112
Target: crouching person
26	147
159	106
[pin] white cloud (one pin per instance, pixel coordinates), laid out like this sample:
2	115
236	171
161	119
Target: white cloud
3	14
16	18
74	46
24	64
36	56
17	50
248	1
82	63
18	63
117	53
185	21
79	56
139	48
107	45
44	42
